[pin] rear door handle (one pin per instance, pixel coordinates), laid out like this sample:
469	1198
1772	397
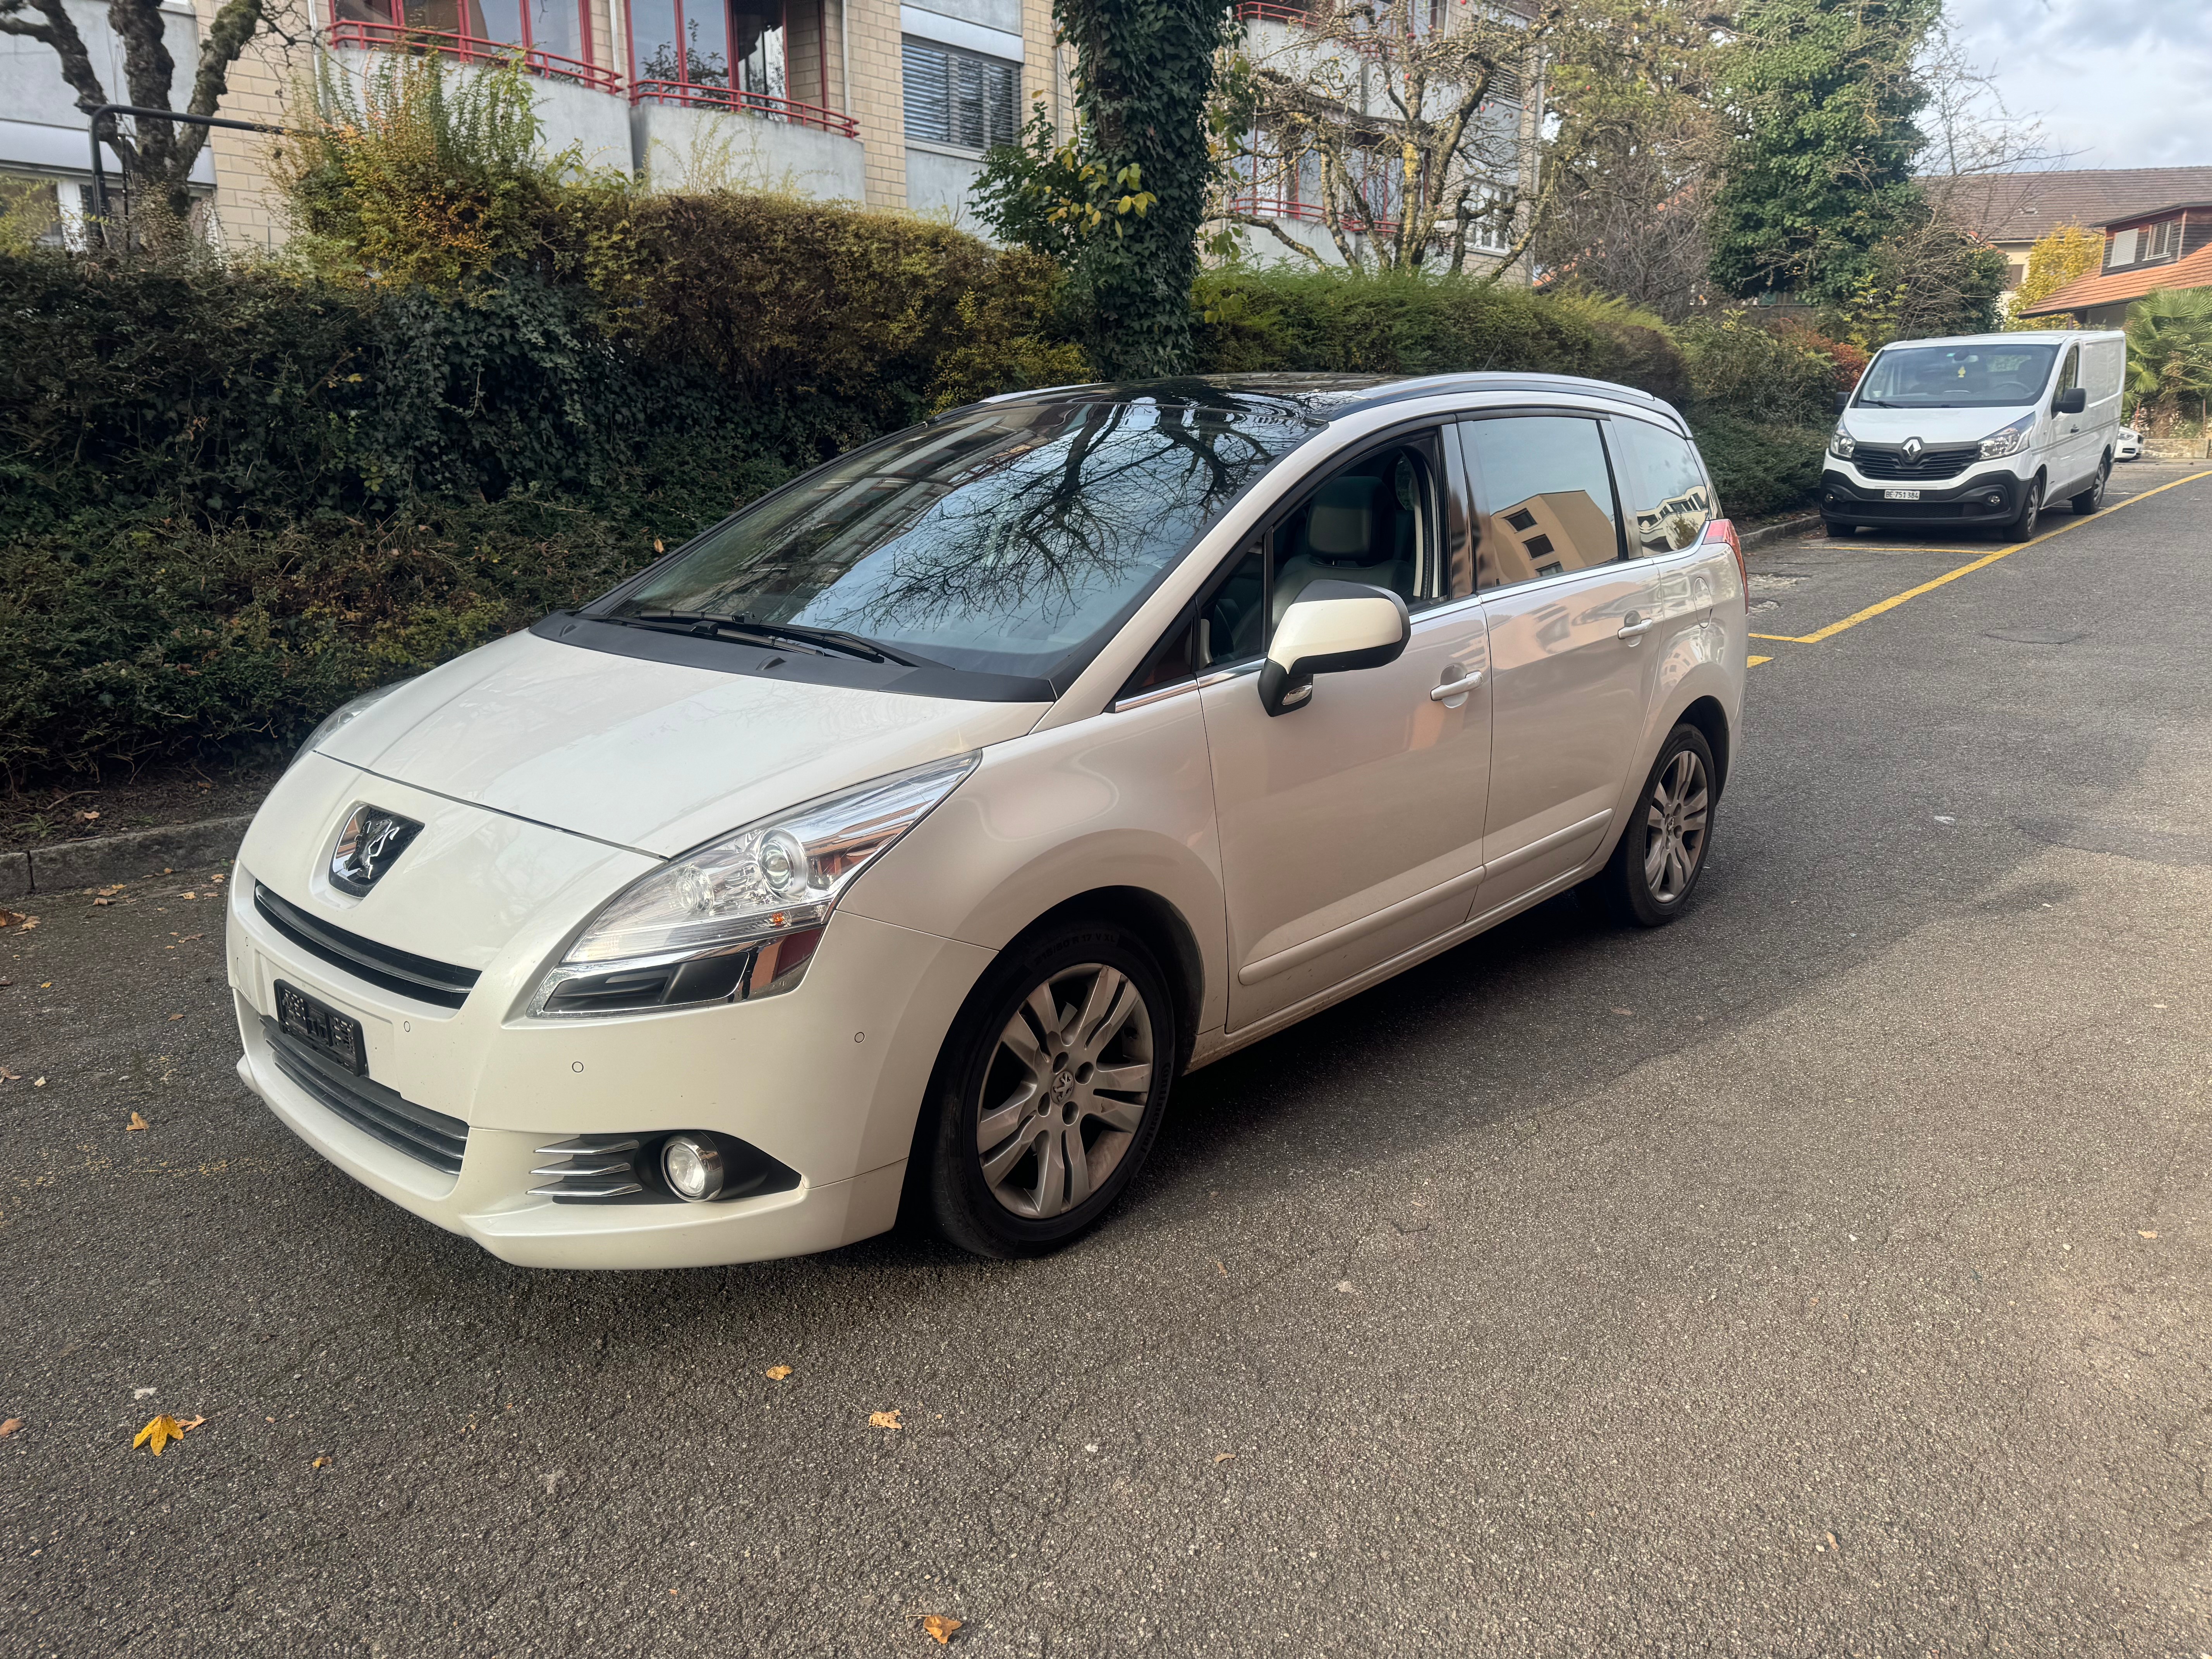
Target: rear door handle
1637	631
1458	688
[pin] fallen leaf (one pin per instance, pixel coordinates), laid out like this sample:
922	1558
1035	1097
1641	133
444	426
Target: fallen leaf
1223	1457
777	1373
889	1419
136	1122
10	1426
191	896
90	818
163	1429
2140	1233
656	544
176	1016
97	901
214	879
319	1462
1630	1013
143	1394
38	1083
939	1628
7	1075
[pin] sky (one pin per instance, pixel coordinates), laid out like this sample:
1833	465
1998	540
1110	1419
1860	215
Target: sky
2119	83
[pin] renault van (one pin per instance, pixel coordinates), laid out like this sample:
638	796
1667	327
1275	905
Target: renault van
892	847
1983	429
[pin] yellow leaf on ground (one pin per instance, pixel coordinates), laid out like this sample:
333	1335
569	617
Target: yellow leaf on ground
939	1628
889	1419
777	1373
161	1431
2140	1233
137	1122
1223	1457
319	1463
10	1426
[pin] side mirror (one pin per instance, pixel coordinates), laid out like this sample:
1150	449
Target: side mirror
1843	402
2072	401
1329	627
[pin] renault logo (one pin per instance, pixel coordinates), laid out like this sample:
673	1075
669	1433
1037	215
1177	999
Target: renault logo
1912	449
372	839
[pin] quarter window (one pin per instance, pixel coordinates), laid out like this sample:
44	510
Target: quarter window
1669	502
956	97
1544	501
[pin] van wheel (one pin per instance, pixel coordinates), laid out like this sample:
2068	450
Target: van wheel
2094	497
1837	529
2022	524
1661	853
1048	1093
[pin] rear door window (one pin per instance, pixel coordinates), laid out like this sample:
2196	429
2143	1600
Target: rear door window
1669	502
1544	497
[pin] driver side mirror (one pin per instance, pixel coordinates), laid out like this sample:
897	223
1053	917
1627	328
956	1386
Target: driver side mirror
1329	627
2072	401
1843	402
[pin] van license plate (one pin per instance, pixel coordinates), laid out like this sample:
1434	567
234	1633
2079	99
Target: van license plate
322	1027
1900	495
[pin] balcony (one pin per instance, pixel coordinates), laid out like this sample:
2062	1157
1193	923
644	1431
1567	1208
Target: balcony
362	34
690	95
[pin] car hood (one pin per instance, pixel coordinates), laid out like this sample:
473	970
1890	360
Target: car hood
1946	428
657	756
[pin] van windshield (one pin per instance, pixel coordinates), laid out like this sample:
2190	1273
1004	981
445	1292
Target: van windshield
1985	376
1001	540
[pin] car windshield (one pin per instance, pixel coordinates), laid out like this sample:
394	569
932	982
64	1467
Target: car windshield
1985	376
1001	539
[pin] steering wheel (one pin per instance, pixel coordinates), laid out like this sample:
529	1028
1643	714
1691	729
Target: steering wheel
2020	387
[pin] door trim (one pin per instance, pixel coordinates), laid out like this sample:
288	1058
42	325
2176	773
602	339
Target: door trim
1252	973
1543	844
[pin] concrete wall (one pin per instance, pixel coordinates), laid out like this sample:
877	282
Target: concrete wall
42	132
679	146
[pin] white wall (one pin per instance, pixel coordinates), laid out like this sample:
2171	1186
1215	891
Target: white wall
677	145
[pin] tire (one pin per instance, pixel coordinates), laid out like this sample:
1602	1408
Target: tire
2021	525
1837	529
1015	1092
2094	497
1632	889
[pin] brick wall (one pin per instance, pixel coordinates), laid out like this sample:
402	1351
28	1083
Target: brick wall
878	97
261	88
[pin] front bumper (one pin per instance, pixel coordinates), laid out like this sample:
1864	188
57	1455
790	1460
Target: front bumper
827	1077
1984	498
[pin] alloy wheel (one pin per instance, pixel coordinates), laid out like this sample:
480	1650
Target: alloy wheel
1065	1091
1674	828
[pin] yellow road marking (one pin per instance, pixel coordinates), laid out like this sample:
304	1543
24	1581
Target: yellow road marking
1893	602
1753	662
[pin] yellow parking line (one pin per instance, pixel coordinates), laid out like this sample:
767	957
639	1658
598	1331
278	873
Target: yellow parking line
1892	603
1753	662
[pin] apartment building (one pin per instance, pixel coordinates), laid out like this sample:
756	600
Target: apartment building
893	103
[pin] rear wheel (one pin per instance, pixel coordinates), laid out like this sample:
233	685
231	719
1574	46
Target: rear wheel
1661	853
1050	1091
2094	497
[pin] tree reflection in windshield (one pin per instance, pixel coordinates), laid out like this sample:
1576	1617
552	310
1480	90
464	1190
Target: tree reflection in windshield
1001	539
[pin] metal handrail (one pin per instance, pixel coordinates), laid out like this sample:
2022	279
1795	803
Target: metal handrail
1279	207
470	49
99	170
752	103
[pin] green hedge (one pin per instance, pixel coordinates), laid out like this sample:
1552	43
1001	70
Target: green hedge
231	495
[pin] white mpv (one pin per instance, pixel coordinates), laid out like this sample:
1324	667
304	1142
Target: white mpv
894	845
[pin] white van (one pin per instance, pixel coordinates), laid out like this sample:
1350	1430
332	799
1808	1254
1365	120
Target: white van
1978	429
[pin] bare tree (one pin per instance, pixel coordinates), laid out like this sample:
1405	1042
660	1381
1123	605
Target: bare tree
157	155
1406	129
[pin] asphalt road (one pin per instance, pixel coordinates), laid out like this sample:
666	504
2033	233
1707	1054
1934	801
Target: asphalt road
1823	1275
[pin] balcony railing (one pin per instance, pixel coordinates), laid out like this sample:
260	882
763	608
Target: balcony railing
1266	11
751	103
1279	207
471	49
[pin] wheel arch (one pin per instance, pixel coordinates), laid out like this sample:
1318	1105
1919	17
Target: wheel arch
1706	713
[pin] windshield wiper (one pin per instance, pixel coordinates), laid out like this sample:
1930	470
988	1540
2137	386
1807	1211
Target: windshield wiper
818	638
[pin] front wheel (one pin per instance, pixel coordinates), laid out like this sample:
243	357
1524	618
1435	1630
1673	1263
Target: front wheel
2094	497
2023	523
1661	853
1050	1091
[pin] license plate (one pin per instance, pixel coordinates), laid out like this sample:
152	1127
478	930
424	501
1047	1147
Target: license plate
322	1027
1900	495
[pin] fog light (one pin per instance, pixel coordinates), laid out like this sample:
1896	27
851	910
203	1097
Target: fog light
693	1166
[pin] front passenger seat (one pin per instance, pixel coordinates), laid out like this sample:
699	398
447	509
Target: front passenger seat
1338	543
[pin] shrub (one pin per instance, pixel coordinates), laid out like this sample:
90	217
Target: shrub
1759	467
1736	365
2170	354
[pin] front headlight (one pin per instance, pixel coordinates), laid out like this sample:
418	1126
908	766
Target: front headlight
1841	445
739	916
342	714
2008	439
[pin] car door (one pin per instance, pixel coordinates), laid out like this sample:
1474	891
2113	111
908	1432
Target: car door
1351	826
1576	625
2071	435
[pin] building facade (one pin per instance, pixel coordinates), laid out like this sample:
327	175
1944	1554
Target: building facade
2167	247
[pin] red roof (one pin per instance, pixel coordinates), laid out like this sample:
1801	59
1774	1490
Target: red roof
2195	271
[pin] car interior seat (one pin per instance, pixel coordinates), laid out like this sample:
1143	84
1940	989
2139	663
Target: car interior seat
1356	531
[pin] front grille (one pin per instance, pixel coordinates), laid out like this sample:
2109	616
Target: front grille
430	1137
1934	464
403	971
1917	511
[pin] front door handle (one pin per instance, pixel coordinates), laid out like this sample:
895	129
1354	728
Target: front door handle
1458	688
1632	629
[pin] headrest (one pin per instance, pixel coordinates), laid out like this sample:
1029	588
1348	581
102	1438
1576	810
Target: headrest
1342	523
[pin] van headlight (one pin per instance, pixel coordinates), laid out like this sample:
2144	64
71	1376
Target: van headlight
1841	444
740	917
2008	439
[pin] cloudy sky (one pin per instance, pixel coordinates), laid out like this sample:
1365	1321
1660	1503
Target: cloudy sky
2122	83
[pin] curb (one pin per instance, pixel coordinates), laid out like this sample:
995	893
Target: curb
112	858
1774	532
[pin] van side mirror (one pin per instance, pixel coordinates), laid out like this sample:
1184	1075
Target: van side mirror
2072	401
1329	627
1843	402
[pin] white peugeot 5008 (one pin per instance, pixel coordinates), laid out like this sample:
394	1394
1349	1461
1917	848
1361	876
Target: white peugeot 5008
900	839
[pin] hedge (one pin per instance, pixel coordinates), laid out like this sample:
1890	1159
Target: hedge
230	495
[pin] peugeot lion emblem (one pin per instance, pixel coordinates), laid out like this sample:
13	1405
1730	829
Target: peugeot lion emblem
372	839
1912	449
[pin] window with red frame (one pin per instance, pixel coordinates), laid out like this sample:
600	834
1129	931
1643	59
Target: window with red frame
560	27
735	44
